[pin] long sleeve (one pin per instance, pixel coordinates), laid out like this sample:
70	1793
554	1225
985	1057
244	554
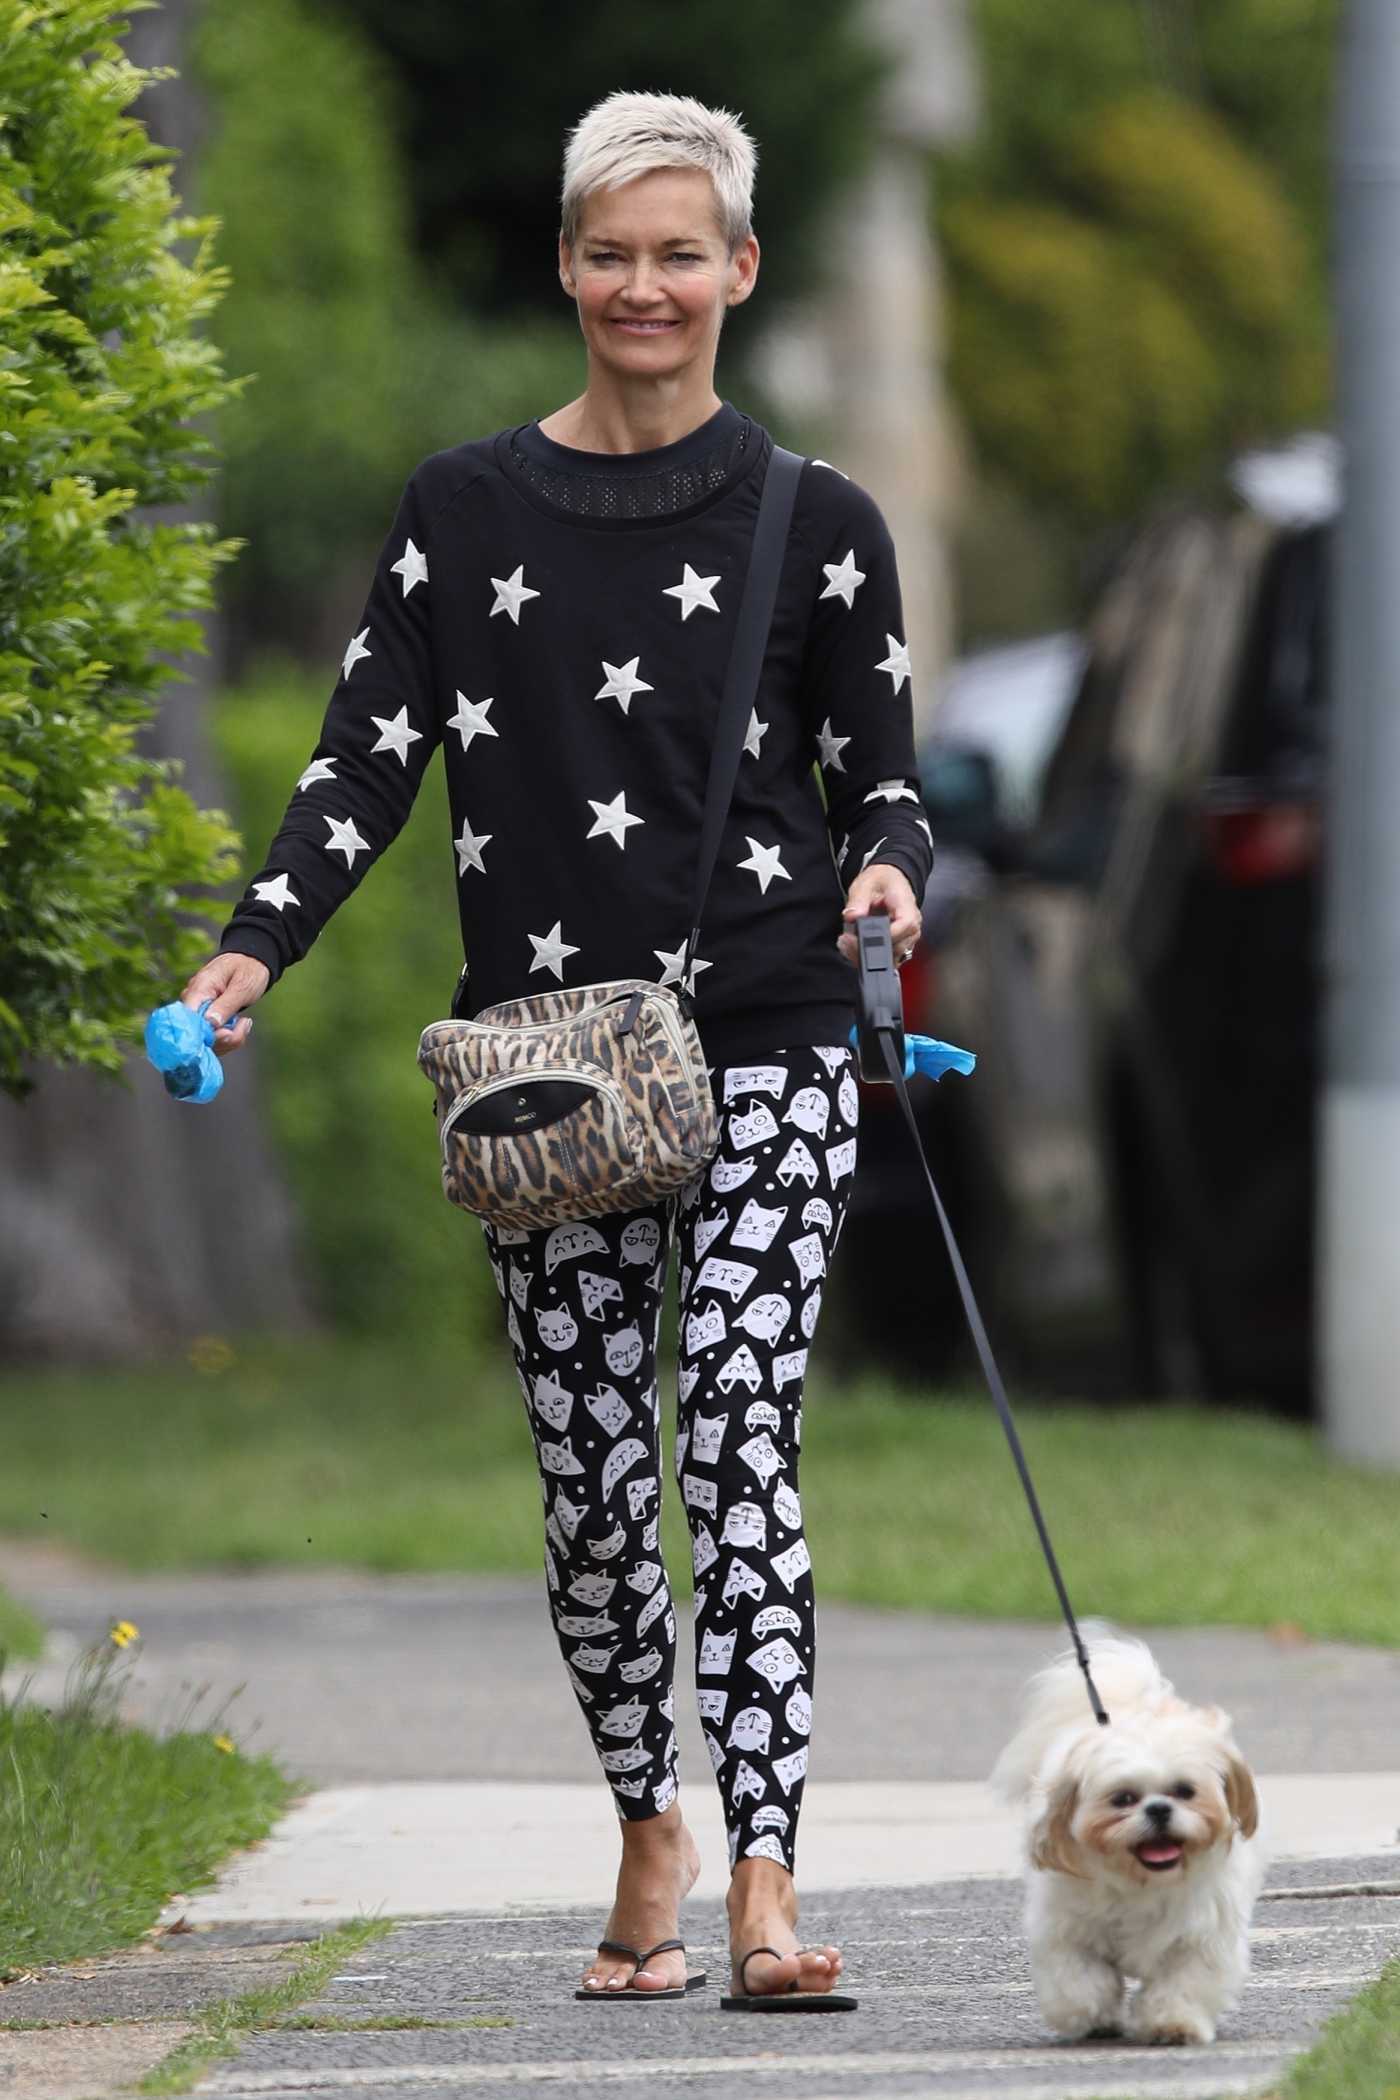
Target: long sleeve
857	689
380	730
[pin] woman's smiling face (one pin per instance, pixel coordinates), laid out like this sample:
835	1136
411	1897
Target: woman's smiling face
650	274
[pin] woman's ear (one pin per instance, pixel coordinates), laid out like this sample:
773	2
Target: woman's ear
1052	1848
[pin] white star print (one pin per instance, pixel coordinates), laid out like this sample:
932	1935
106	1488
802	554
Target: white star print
846	578
755	733
354	652
622	683
470	719
276	892
345	839
923	824
891	791
412	565
319	769
896	663
845	842
511	594
873	851
395	736
614	824
550	950
672	958
469	847
831	746
765	863
693	590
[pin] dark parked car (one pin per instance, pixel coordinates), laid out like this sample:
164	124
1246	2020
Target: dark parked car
1131	1169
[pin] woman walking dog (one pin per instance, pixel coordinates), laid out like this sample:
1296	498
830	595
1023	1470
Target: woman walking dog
555	605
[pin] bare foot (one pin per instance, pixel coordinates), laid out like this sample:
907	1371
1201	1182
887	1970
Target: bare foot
659	1865
762	1905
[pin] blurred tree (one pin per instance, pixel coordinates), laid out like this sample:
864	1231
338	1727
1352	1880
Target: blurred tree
359	368
103	376
1136	246
488	92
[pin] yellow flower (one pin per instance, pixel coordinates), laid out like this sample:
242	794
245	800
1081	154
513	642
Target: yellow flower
211	1352
223	1742
124	1631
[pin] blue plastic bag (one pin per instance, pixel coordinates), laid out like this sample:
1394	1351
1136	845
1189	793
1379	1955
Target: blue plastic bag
924	1053
177	1043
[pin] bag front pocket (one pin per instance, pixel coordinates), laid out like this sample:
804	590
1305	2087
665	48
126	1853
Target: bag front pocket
564	1134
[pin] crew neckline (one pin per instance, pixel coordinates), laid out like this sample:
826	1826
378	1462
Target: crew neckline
653	459
721	428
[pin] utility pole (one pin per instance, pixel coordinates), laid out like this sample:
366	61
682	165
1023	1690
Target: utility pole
1358	1273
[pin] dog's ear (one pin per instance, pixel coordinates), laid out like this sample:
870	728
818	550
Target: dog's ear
1240	1797
1052	1849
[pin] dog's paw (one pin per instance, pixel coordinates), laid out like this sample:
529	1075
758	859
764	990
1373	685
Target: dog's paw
1173	2034
1105	2031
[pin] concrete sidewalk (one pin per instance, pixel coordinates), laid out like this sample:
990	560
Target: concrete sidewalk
455	1789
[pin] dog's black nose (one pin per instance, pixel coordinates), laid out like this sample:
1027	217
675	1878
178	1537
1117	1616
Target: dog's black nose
1160	1811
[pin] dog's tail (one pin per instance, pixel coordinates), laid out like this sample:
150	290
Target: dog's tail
1125	1674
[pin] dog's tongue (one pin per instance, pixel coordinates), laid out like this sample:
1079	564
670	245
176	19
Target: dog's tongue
1159	1852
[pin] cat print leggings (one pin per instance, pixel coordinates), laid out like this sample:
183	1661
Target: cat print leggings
583	1311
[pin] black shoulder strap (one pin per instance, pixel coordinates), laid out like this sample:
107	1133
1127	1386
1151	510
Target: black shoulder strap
741	678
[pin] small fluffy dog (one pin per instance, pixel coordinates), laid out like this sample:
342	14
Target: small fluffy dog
1139	1858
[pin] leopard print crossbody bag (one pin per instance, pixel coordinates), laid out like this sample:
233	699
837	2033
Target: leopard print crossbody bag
568	1104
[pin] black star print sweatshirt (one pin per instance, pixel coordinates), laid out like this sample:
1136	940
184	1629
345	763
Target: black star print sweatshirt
559	622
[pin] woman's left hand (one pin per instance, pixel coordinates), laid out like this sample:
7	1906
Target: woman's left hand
882	884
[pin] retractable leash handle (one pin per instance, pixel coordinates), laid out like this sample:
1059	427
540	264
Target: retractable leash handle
881	1055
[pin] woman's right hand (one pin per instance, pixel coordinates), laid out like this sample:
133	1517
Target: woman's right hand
232	981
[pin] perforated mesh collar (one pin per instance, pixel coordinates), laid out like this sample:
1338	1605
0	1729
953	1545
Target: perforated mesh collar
619	485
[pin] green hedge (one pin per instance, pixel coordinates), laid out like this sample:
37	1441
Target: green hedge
336	1038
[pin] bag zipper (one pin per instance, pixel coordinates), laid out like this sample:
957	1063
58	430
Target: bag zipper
478	1090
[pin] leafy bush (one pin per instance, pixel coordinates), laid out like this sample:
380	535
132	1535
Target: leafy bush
351	1112
100	375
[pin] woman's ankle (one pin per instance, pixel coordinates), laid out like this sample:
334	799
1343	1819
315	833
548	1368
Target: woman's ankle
659	1833
761	1884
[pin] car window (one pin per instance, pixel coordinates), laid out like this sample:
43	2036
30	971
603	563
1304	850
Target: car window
1278	718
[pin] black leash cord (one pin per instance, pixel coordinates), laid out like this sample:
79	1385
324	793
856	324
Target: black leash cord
990	1372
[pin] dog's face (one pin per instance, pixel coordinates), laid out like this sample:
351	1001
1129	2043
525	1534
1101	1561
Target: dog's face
1141	1798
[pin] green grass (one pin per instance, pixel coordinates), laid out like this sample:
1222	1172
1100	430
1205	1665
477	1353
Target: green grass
221	2029
1357	2054
307	1456
100	1823
21	1634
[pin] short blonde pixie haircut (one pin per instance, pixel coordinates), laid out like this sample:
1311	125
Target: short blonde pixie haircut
631	133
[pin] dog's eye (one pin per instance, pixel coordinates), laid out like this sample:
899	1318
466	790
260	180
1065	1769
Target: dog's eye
1124	1799
1184	1792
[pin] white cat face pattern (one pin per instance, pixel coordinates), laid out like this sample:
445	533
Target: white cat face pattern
754	1236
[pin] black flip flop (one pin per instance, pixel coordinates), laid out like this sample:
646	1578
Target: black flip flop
628	1990
790	2000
